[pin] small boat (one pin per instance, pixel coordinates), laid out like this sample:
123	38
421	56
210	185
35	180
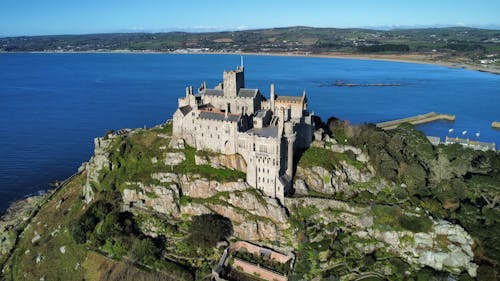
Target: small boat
451	130
464	133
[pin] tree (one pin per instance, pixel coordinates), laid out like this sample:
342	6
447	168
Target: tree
208	229
145	250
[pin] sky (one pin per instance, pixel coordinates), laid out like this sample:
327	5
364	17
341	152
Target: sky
46	17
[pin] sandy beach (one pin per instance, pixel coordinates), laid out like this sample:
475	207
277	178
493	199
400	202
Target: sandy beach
406	58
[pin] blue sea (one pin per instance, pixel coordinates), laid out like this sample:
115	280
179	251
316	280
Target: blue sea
53	105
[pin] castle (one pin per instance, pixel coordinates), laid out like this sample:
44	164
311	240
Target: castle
232	119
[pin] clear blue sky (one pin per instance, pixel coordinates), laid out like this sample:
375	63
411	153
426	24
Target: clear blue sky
35	17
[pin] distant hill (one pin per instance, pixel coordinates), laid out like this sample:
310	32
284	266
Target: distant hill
453	44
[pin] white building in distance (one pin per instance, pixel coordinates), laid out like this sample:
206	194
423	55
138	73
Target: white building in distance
232	119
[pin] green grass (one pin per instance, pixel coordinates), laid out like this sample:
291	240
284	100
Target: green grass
315	156
54	265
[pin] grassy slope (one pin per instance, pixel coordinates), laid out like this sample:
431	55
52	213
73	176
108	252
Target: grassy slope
54	265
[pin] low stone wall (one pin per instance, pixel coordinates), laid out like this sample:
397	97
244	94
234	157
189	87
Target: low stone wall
257	271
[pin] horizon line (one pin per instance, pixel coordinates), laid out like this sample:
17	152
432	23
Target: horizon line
195	30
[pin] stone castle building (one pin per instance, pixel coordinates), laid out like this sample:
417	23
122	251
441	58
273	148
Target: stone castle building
232	119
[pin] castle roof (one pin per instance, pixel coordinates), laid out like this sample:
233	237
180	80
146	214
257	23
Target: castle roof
289	98
267	132
185	109
213	92
243	93
219	116
247	93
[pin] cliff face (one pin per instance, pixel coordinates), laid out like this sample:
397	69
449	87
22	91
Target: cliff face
254	216
96	164
337	173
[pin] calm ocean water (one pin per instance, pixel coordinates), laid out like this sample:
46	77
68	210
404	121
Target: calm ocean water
53	105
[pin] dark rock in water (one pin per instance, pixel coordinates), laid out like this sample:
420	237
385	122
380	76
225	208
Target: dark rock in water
339	83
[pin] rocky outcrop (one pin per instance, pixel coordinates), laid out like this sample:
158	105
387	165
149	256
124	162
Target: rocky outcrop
203	188
99	161
352	217
164	200
14	220
176	143
446	247
252	219
197	187
255	217
321	180
174	158
233	161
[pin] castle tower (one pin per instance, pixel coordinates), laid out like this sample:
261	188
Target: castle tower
234	80
290	137
272	98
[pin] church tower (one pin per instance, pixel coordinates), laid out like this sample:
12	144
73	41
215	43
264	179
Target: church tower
234	80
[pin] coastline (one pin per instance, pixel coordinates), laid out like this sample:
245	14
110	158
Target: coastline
403	58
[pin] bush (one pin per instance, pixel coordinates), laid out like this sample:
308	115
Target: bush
415	224
84	227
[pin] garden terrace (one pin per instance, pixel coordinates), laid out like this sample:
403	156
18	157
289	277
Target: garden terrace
258	261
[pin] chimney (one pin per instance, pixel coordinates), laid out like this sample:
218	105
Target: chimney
187	91
272	98
227	110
